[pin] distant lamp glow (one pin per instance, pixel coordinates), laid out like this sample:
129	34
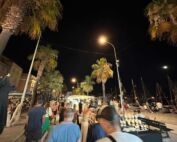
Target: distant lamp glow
165	67
73	80
102	40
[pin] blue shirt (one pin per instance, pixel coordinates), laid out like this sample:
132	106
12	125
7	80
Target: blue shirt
65	132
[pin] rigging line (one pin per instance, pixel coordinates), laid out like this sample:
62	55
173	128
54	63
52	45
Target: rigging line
85	51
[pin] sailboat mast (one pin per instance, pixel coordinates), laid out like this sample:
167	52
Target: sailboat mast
134	92
158	92
143	87
170	86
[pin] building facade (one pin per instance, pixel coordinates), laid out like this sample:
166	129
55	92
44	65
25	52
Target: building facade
9	67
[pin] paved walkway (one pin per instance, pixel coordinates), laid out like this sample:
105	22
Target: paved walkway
10	134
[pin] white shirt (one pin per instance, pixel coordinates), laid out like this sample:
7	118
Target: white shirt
121	137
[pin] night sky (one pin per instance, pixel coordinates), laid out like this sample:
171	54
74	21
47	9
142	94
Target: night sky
126	26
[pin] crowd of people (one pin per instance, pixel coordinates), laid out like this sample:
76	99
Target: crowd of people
67	122
12	105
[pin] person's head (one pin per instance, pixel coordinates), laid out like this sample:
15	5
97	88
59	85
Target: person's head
69	114
39	102
108	118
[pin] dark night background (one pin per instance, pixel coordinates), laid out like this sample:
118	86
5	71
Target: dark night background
126	26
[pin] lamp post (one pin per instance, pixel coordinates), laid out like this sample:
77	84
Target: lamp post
103	40
17	111
165	67
74	81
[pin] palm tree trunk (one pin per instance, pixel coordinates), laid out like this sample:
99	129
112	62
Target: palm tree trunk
103	88
41	69
4	37
39	74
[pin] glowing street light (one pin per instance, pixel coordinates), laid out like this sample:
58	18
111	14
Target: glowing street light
102	40
73	80
165	67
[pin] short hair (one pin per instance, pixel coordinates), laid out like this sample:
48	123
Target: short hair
40	101
68	113
109	113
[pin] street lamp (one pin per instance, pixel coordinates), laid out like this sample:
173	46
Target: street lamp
73	80
165	67
102	41
19	106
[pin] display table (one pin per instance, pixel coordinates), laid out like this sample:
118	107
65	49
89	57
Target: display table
149	136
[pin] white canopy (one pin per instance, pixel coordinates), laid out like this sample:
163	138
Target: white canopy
80	97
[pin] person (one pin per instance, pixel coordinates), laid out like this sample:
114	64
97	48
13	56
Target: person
110	122
75	120
66	131
55	111
85	122
95	131
46	124
35	119
80	107
5	88
61	112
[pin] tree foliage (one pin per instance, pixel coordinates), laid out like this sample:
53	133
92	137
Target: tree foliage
46	59
87	84
52	82
78	91
35	15
102	72
162	15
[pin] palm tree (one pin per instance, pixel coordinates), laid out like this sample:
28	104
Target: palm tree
27	16
87	84
52	82
102	72
46	59
162	15
78	91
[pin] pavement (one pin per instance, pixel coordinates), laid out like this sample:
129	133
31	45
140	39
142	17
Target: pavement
13	133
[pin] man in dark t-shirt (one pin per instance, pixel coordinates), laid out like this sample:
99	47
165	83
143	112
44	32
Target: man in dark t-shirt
35	119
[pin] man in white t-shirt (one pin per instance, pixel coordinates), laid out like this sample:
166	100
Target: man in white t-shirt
110	122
